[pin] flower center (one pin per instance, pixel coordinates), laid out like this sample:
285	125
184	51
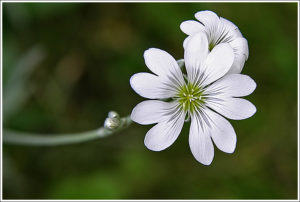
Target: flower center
190	97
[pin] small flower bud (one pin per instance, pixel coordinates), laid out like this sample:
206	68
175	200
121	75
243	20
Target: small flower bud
180	63
111	123
113	115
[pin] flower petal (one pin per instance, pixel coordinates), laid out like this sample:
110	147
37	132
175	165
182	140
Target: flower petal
151	86
208	18
232	30
232	108
200	141
164	134
151	111
240	46
238	64
218	62
190	27
164	65
185	41
241	53
222	132
195	54
233	85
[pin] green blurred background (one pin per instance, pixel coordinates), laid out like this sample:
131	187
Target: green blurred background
66	65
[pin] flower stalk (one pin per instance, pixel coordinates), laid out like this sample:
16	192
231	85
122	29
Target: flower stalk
29	139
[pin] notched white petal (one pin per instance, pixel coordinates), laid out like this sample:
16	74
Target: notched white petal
232	108
233	85
151	86
195	54
222	132
190	27
164	65
208	18
151	111
240	47
185	41
241	53
238	64
218	62
232	30
164	134
200	141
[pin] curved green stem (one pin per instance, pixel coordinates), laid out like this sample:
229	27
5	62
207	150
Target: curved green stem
20	138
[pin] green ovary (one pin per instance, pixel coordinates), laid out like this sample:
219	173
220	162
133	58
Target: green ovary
190	97
211	45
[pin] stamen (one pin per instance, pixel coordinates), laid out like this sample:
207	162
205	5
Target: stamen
190	97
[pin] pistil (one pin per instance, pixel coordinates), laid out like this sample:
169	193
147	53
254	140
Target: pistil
190	97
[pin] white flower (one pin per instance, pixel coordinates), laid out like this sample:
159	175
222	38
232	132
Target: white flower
219	30
202	94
